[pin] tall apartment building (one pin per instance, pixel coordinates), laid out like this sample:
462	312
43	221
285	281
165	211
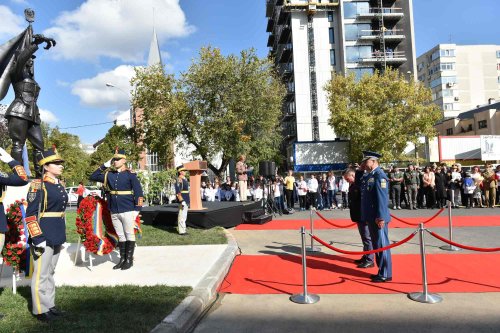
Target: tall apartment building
461	76
309	40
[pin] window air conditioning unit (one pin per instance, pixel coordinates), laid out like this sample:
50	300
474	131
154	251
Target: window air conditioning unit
456	98
450	84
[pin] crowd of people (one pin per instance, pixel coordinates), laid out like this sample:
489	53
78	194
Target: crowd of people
413	187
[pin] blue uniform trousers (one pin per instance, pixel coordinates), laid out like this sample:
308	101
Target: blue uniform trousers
380	238
364	232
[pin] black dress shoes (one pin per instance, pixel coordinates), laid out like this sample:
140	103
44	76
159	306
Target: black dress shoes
366	264
378	278
359	261
46	317
56	312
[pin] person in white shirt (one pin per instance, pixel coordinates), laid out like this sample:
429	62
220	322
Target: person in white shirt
302	191
258	193
313	191
344	189
209	192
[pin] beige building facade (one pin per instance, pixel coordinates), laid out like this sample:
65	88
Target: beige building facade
461	77
484	120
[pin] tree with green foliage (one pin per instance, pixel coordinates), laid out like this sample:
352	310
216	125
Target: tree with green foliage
380	112
156	184
117	136
223	106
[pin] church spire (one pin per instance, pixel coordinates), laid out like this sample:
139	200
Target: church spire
154	57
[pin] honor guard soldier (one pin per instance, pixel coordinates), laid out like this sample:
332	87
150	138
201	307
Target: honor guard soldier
182	194
18	178
47	200
125	198
375	212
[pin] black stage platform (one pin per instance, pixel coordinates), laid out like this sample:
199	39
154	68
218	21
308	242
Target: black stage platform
225	214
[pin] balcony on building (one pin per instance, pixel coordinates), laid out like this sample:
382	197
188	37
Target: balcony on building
284	33
389	35
389	57
270	40
271	5
285	70
270	25
388	13
284	52
288	111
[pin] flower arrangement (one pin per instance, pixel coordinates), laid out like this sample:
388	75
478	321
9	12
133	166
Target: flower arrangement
95	242
14	252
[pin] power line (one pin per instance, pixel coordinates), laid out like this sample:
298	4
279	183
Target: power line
107	122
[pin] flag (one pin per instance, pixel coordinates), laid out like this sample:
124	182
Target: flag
7	57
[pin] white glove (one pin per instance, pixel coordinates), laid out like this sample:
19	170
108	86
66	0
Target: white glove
5	156
108	163
136	213
42	244
184	204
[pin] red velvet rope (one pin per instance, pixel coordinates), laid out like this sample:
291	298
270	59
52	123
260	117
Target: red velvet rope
417	224
333	224
367	252
491	249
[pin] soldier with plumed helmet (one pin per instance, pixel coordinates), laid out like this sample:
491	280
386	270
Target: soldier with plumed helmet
125	199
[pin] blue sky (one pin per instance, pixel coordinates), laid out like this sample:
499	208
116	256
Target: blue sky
100	41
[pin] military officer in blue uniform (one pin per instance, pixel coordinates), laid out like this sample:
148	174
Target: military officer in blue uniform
375	212
47	200
17	178
125	198
182	194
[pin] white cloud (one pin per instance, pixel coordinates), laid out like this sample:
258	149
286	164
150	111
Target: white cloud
93	92
11	24
116	29
48	117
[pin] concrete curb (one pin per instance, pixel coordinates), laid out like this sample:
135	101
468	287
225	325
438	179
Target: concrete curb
186	314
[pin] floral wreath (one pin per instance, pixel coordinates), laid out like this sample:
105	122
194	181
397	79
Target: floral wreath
97	243
89	226
14	252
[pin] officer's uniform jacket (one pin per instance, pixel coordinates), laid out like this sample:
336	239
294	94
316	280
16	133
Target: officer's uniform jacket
48	224
18	178
182	188
375	197
124	191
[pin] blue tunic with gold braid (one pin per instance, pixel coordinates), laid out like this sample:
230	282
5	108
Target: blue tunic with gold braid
48	225
18	178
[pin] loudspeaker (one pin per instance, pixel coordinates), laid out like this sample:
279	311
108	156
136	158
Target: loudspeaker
251	214
261	219
267	168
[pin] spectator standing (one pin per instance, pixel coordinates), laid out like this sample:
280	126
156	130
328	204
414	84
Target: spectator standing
440	180
411	179
455	179
490	186
302	191
344	188
469	188
289	182
80	191
396	178
332	191
323	185
241	170
313	191
429	184
478	182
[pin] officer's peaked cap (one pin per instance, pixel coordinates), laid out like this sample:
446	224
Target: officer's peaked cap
367	155
181	168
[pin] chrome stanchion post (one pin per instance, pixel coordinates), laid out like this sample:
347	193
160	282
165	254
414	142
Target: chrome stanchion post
448	247
424	297
304	298
312	248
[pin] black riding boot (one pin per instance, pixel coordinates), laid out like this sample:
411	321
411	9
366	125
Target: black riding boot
129	256
121	245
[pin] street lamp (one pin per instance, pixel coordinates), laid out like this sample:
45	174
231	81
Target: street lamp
131	113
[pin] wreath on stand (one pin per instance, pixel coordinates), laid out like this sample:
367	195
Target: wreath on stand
14	251
89	225
92	214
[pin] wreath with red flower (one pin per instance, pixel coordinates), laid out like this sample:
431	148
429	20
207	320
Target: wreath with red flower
14	251
85	226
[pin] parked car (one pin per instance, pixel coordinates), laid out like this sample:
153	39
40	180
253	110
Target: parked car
89	190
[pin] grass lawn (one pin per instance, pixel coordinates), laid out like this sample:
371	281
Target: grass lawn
160	235
93	309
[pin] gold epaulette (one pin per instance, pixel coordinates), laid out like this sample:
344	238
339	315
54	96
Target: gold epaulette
35	185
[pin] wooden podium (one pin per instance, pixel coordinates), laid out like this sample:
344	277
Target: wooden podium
195	169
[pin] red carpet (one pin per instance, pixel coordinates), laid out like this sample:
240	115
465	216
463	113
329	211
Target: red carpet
440	221
282	274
